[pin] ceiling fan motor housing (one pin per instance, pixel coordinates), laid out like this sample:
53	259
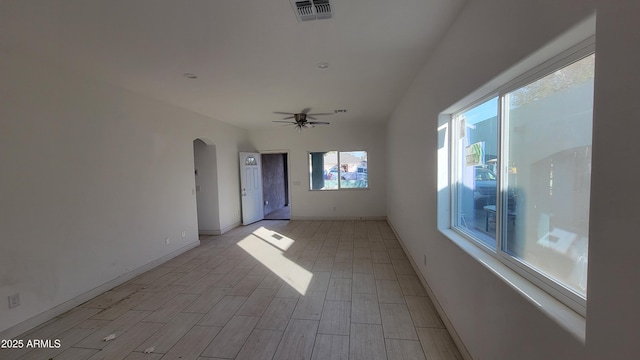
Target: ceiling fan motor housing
301	118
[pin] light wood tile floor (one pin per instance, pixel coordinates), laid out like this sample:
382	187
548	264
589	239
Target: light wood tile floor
271	290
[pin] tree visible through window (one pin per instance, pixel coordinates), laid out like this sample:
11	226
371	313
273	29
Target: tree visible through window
523	192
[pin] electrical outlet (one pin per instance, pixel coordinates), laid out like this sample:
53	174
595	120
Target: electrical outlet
167	241
183	234
14	300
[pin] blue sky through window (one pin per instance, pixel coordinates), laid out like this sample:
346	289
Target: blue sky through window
482	112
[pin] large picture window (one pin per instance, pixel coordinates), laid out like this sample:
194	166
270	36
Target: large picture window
334	170
520	174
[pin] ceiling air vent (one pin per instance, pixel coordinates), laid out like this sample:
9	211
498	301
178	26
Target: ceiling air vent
304	10
312	9
323	9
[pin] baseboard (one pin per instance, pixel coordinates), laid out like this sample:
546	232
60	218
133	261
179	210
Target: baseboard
339	218
445	319
230	227
219	231
47	315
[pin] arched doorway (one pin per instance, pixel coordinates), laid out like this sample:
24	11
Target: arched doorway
206	181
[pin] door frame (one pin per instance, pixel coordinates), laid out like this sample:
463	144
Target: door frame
288	179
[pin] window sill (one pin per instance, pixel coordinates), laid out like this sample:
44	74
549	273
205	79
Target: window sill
564	316
341	189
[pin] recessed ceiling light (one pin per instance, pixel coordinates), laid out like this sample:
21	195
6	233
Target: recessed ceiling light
190	76
322	65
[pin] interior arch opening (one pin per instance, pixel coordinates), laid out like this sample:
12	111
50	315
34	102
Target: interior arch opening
206	186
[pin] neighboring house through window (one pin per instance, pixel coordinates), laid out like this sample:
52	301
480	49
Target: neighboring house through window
335	170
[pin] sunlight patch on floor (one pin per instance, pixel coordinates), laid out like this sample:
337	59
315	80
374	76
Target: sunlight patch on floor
278	240
269	247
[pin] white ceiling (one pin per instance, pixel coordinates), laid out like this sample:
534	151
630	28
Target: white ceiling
252	57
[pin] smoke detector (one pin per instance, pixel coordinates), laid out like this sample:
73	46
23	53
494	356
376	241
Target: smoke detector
312	9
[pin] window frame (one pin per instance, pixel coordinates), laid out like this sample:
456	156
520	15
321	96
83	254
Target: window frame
339	188
449	119
454	184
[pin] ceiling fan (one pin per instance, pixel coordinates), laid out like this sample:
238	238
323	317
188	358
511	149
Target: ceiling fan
300	119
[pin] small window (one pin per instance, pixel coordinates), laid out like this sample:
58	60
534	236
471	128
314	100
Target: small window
333	170
250	160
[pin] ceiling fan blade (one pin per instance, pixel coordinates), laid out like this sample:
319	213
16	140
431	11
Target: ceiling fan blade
288	117
318	114
305	110
283	113
281	121
318	123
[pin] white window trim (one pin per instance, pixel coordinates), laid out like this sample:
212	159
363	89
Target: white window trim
338	158
567	310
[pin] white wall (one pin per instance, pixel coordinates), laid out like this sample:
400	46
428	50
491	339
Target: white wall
206	187
93	179
614	274
306	204
492	319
